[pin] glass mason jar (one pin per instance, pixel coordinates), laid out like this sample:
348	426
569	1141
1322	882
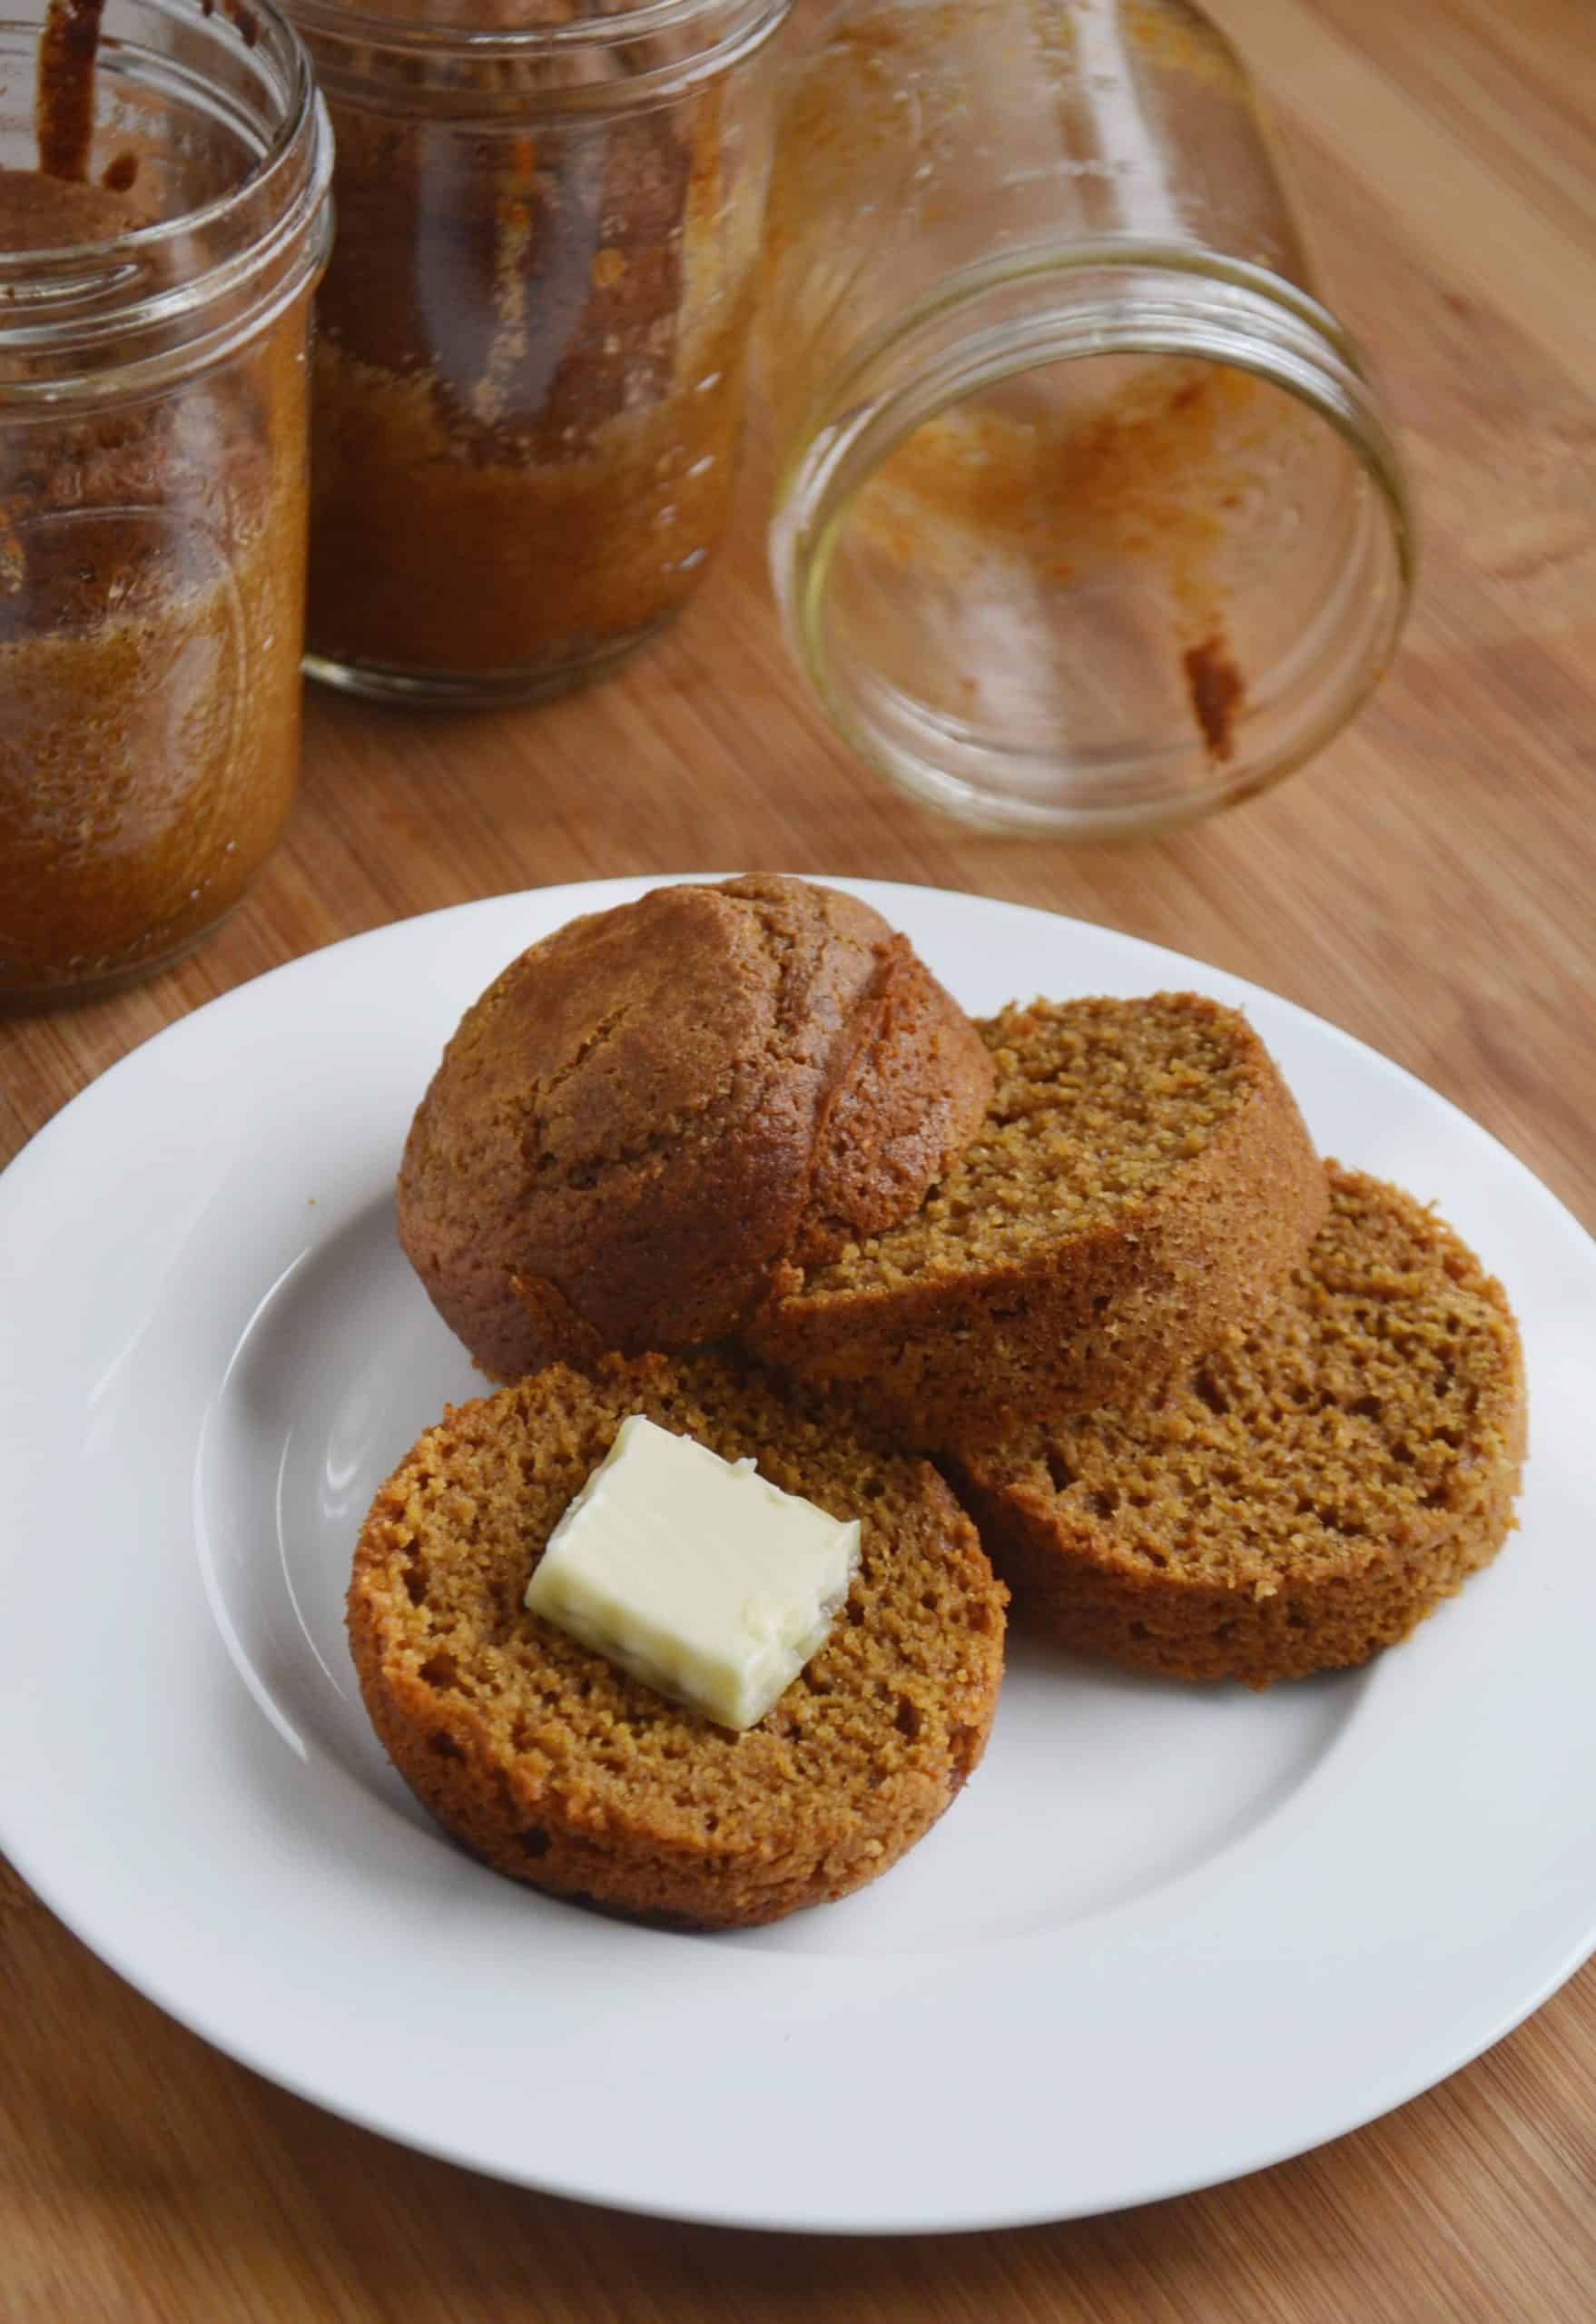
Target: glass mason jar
154	311
1088	516
529	364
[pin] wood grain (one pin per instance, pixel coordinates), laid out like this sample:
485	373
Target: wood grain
1428	884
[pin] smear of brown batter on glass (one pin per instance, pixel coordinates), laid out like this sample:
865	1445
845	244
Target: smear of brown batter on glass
1218	692
242	19
64	101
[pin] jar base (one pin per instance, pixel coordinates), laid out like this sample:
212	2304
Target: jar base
40	1000
476	689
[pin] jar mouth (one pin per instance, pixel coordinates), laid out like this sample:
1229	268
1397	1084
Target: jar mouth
1094	543
455	28
275	43
71	311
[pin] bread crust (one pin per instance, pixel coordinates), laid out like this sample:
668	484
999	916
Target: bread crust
650	1113
1082	1316
1388	1386
554	1767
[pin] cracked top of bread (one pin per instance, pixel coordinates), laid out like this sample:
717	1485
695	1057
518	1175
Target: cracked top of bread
652	1114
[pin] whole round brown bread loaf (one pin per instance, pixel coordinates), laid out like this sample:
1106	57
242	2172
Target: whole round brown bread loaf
1299	1497
649	1114
559	1768
1142	1179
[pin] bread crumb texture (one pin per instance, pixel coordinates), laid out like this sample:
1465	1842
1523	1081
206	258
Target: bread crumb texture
1142	1180
557	1767
1301	1494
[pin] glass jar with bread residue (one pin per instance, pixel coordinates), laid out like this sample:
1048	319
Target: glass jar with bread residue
1089	518
163	217
528	379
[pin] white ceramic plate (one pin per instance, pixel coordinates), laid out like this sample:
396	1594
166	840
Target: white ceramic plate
1166	1935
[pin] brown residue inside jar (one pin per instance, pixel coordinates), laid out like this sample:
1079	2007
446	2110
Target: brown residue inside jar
63	96
429	553
1130	497
149	716
1063	487
151	563
528	387
243	19
1217	692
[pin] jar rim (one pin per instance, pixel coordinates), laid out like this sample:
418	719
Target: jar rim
1115	296
942	350
19	267
87	319
374	28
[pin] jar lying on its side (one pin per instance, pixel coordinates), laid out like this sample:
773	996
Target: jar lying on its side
157	259
1088	518
528	374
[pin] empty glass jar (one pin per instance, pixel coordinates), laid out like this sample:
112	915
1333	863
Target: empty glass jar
1088	518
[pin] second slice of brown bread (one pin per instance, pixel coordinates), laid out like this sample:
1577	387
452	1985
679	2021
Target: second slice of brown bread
1142	1179
1302	1495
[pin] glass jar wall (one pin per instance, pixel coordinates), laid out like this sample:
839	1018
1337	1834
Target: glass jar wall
155	283
531	343
1088	518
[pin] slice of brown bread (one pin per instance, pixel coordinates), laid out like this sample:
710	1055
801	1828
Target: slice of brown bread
1302	1495
648	1113
1142	1179
560	1770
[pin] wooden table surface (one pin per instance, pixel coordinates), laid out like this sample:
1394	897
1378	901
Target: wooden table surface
1428	884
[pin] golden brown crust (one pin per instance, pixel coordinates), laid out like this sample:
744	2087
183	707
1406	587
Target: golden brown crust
645	1115
908	1101
559	1769
1301	1496
1143	1180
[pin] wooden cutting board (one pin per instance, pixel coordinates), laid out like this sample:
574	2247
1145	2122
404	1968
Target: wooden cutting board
1429	885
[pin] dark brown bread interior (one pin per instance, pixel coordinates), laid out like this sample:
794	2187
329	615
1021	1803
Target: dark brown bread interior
560	1770
1304	1493
1142	1179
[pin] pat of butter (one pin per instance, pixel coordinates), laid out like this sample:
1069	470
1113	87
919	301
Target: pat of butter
694	1573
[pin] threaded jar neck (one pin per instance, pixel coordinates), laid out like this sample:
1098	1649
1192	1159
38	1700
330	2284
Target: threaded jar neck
454	60
176	294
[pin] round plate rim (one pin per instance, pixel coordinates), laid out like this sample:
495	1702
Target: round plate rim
57	1890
